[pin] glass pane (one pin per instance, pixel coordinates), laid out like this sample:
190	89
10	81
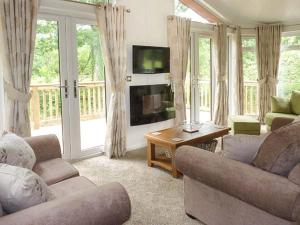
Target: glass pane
45	103
91	83
290	40
96	1
289	72
188	90
250	76
184	11
204	79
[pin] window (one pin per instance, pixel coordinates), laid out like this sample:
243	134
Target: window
184	11
250	76
289	68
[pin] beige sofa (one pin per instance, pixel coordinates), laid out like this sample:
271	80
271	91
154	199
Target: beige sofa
77	200
221	191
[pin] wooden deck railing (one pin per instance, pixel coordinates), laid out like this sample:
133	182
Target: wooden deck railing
46	107
250	96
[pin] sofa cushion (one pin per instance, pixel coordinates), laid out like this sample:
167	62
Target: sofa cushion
280	152
295	102
242	147
280	105
71	186
1	210
16	151
21	188
271	116
294	175
55	170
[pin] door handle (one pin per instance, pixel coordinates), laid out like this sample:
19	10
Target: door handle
63	86
75	89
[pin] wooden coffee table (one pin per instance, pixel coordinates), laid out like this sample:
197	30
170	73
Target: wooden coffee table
206	132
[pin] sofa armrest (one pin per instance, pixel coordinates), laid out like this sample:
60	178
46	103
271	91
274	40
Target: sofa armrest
272	193
107	205
45	147
280	122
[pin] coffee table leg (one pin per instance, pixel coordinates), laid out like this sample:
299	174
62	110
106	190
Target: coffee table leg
150	153
175	173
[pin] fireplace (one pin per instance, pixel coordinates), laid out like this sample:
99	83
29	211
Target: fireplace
151	103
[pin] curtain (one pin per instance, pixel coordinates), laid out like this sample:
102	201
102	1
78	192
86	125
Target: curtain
111	23
179	42
238	72
220	70
268	39
18	27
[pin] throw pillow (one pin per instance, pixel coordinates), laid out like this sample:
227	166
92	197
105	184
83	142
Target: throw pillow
280	152
242	147
16	151
21	188
295	102
280	105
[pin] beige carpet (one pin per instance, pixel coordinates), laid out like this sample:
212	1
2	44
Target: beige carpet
156	197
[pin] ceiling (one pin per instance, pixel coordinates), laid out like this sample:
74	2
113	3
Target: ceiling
250	12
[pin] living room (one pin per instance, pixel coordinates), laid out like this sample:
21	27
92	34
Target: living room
149	112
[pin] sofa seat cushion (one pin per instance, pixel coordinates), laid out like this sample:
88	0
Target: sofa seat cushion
55	170
244	125
271	116
71	186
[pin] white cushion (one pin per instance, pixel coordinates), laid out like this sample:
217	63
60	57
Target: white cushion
21	188
242	147
16	151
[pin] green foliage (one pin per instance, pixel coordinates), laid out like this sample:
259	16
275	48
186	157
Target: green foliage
46	58
204	58
289	74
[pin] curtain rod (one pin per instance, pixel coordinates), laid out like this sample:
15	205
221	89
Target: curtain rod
91	4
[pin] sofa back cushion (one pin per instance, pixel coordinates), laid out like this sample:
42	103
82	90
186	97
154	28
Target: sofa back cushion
280	105
280	151
21	188
16	151
295	102
1	210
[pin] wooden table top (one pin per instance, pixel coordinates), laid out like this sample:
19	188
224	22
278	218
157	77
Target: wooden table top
206	132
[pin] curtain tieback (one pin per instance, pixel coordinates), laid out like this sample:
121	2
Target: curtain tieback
269	80
15	94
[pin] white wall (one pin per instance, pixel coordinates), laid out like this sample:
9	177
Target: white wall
146	25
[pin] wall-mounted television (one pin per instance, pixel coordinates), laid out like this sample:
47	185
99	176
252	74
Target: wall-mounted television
150	60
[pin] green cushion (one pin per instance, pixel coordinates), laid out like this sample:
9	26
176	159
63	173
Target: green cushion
271	116
295	102
280	105
244	125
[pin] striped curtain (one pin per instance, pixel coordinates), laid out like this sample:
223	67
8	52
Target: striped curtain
268	40
220	68
238	72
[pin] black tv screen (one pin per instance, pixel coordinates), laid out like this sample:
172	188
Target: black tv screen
150	60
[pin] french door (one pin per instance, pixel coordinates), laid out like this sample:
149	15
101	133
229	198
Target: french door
201	78
68	85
